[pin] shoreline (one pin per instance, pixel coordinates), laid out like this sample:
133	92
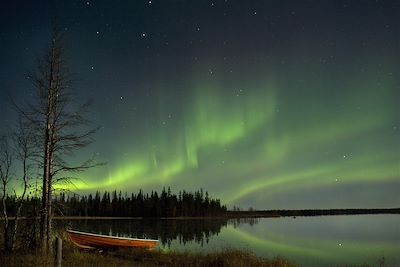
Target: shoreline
243	214
311	212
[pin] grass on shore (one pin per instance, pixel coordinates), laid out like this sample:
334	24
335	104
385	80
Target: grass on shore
121	258
73	257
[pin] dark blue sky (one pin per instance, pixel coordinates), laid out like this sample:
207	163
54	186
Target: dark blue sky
270	104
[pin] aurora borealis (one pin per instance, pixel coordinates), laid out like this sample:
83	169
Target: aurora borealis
265	104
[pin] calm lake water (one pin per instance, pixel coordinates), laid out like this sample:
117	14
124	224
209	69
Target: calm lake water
308	241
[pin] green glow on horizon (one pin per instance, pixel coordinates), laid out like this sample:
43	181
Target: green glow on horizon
246	140
213	121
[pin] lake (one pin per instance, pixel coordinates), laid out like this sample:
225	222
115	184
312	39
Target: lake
307	241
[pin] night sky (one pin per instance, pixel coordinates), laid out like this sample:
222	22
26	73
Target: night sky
265	104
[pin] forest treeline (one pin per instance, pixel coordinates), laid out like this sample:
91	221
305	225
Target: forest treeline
119	204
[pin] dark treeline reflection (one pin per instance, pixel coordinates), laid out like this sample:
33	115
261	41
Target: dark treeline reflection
238	221
184	231
166	230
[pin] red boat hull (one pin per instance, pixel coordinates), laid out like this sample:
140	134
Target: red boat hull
89	240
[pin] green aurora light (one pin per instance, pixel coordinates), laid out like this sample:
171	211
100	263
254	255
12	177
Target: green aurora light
246	142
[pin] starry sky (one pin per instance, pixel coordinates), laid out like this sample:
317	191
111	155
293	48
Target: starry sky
265	104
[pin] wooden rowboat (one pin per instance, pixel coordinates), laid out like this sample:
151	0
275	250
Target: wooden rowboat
89	240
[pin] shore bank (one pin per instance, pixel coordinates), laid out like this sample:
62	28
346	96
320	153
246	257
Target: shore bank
73	257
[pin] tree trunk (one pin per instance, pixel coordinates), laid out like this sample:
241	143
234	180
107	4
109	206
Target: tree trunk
44	212
8	240
21	199
6	222
45	207
45	224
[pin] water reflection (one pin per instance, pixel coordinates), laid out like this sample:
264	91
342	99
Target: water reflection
308	241
181	230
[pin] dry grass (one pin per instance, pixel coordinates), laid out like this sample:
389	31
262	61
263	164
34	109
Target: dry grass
74	257
226	257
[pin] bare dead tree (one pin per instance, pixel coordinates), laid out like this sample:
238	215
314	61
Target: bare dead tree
21	149
5	176
59	127
24	152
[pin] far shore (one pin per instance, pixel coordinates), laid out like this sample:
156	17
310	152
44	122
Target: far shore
245	214
309	212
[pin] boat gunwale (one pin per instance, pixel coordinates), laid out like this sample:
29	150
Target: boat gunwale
111	236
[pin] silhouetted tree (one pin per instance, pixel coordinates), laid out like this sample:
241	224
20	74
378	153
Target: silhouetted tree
6	161
59	127
21	149
154	205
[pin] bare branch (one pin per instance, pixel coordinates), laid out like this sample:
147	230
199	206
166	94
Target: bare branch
57	126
